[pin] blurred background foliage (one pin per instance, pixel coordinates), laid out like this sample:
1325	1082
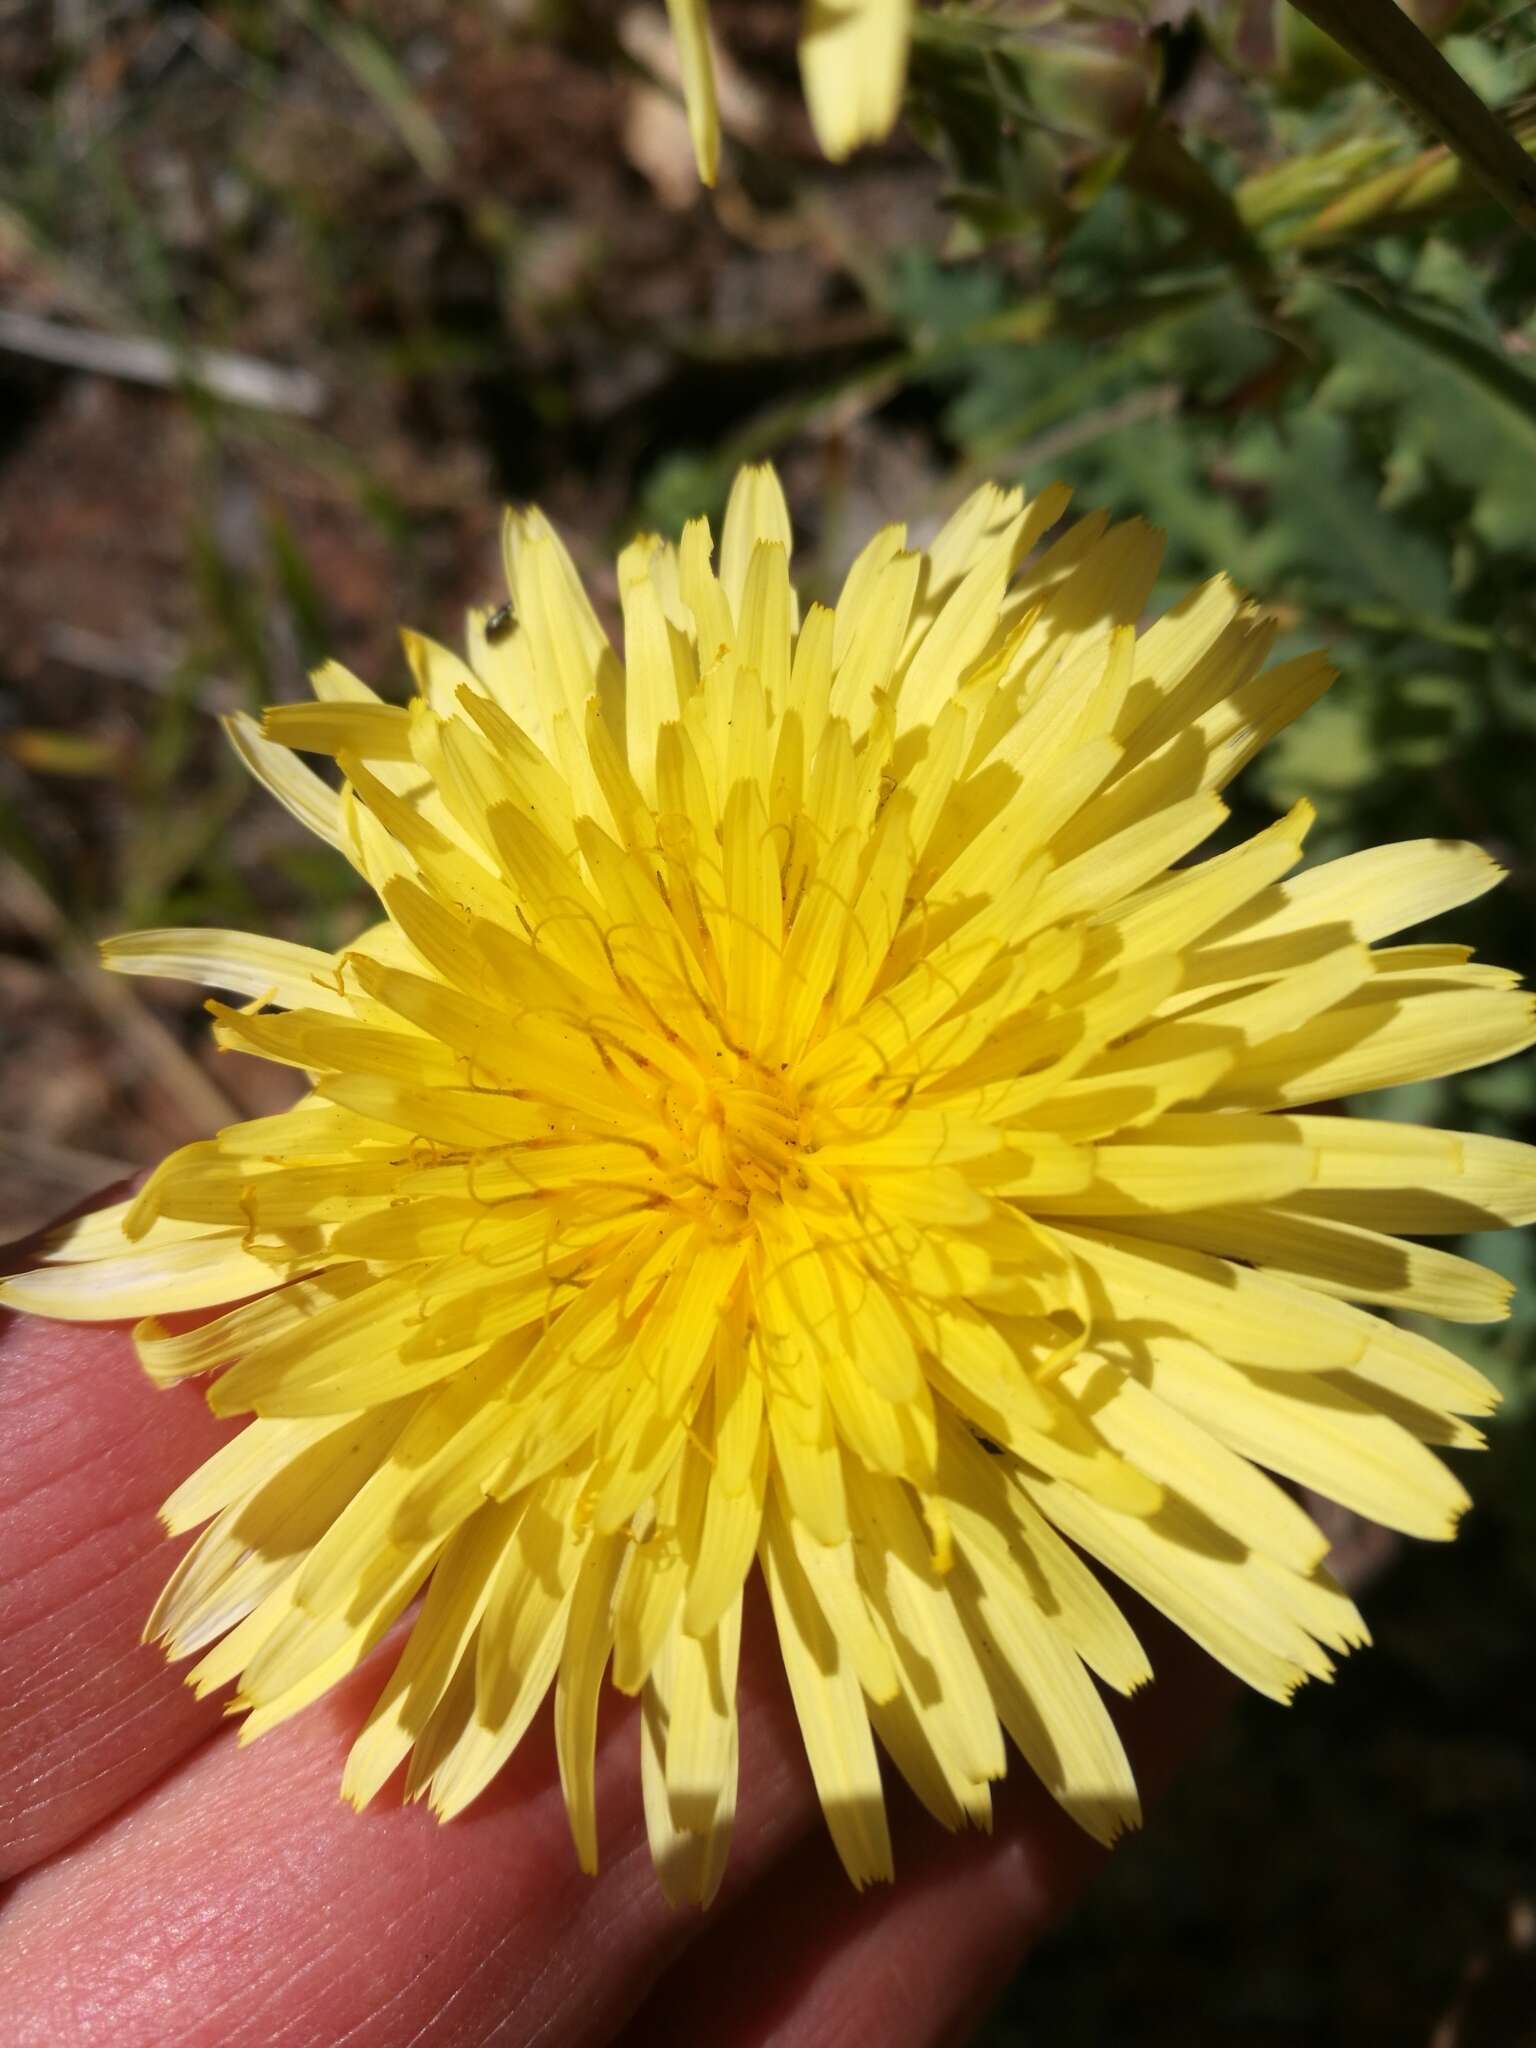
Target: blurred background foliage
294	292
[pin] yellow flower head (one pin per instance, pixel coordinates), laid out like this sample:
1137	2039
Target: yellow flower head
805	1109
853	64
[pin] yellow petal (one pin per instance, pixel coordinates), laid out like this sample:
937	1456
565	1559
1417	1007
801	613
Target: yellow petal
1186	1461
991	1515
297	788
588	1636
701	1732
690	27
1251	1318
853	61
151	1278
1217	1595
1048	1703
439	1644
1381	1045
1342	1259
274	970
1313	1431
756	518
834	1723
1373	893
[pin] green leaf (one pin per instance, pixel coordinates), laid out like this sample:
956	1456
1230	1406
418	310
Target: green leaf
1325	532
1462	410
1327	754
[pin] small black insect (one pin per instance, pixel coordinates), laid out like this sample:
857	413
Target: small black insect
500	622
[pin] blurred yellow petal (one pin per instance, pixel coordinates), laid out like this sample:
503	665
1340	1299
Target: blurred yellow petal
690	26
853	59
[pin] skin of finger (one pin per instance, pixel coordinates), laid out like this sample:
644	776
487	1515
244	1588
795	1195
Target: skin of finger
920	1964
89	1715
240	1902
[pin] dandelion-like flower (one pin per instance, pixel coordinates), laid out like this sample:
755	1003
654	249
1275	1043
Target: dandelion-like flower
853	65
805	1111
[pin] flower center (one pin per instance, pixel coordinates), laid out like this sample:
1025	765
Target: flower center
731	1139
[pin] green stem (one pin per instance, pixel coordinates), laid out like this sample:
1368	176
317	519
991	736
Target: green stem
1380	36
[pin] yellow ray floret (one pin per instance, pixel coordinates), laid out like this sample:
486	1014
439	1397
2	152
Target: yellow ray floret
806	1110
853	63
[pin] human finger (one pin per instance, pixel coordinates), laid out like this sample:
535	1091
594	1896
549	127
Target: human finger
89	1715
